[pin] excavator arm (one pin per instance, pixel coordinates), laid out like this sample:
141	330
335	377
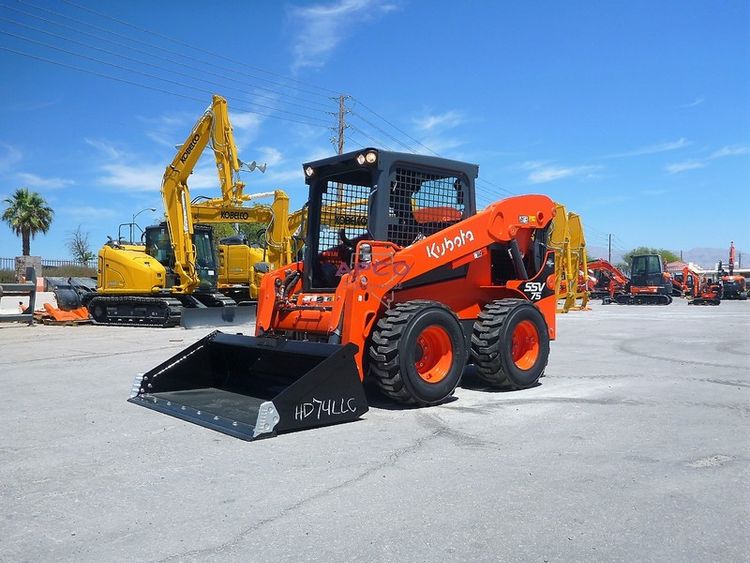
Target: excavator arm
214	127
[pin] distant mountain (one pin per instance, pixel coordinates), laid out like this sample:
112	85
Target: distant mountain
601	252
708	257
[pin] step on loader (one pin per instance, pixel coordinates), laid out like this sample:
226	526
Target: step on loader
402	281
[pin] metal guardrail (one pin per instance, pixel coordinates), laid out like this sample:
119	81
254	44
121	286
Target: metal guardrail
21	290
10	263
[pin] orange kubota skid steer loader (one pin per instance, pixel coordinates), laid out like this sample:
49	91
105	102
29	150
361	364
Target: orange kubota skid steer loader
402	281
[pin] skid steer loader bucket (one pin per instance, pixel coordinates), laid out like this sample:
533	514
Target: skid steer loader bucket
252	387
204	317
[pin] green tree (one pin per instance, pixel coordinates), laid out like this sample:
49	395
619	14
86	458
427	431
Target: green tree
666	255
78	244
27	214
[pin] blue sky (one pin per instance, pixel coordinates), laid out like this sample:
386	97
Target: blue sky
634	114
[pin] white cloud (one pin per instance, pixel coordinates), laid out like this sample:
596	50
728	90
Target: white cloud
442	145
322	27
35	181
696	102
441	121
729	150
654	192
679	167
653	149
246	120
148	177
104	147
88	211
143	177
270	156
542	172
282	177
734	150
9	155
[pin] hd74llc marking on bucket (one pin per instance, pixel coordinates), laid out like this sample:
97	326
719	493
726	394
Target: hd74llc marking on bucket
325	408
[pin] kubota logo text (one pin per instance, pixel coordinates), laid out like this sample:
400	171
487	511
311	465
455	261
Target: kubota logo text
439	249
190	147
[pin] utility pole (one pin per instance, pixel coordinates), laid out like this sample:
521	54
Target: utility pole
681	256
609	250
339	140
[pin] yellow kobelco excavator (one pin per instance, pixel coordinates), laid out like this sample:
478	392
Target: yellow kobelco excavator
174	274
571	268
241	266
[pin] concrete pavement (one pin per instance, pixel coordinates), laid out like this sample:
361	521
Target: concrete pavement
634	447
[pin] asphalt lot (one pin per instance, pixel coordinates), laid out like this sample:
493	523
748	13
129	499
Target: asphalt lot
635	447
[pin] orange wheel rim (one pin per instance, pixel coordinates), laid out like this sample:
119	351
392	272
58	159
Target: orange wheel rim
525	345
434	354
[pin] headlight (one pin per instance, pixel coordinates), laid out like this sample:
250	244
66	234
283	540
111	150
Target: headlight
309	171
361	159
371	157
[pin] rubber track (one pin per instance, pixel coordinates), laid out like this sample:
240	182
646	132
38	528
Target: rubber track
167	304
648	299
383	350
485	341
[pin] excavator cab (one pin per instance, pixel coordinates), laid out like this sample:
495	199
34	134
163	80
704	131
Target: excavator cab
649	283
159	246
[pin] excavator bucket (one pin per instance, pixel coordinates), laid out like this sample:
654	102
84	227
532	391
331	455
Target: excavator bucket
206	317
252	387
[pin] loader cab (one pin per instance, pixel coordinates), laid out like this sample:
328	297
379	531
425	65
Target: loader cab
378	195
159	246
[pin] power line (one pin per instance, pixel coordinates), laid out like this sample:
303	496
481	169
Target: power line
145	74
140	85
185	44
394	139
150	53
142	62
377	142
485	193
372	111
493	185
233	70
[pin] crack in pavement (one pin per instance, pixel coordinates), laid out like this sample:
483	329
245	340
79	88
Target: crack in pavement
729	382
89	356
624	346
230	544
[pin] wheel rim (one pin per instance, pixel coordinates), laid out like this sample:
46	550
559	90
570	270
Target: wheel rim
434	354
525	345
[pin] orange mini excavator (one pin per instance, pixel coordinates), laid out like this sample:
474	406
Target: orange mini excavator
610	280
649	283
734	286
403	281
700	290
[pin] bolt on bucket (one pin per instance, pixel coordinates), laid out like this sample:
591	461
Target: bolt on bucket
253	387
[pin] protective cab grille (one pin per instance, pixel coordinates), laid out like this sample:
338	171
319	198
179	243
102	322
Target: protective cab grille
421	204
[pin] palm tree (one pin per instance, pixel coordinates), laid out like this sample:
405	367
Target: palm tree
28	215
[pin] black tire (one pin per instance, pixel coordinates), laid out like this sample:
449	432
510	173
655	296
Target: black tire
492	343
394	352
